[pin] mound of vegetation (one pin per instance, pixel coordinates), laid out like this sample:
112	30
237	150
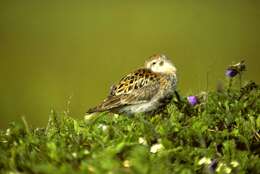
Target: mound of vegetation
212	132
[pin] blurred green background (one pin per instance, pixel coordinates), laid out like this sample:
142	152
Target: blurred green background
66	54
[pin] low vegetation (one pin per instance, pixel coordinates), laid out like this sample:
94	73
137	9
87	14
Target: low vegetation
218	133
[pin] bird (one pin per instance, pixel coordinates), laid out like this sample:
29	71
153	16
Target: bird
145	90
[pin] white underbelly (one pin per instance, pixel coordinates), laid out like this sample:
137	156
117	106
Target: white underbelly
148	106
140	108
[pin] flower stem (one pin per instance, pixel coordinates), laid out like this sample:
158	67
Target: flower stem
230	84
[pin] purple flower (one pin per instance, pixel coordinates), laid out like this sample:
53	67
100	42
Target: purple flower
231	73
193	100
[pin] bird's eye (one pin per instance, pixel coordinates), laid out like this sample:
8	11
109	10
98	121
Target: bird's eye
161	63
153	63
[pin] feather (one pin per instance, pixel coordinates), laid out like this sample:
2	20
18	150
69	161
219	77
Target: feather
145	89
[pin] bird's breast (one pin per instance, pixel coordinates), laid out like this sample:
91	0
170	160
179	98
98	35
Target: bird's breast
167	84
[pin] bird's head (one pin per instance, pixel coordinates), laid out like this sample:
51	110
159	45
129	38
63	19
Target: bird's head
161	64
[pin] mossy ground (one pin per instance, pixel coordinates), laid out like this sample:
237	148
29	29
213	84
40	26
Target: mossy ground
218	135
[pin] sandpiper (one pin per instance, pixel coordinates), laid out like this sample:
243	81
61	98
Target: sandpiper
145	90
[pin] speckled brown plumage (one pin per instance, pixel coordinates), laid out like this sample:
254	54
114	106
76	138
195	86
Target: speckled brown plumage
143	90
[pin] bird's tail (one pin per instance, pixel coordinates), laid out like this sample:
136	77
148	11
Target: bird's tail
92	110
108	104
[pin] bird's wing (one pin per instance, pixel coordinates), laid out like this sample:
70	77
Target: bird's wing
135	82
137	87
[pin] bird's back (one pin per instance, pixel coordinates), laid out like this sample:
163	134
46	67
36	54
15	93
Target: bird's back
139	91
142	90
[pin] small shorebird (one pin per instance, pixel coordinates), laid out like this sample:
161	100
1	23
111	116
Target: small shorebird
145	90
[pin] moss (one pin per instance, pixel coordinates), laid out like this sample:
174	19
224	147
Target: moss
220	134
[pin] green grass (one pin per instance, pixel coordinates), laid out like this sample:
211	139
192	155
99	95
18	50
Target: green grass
219	134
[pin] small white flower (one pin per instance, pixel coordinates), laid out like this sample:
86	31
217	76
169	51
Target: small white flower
220	165
204	160
156	147
74	154
234	163
7	132
116	116
227	170
86	152
88	117
126	163
91	169
103	127
142	140
223	168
